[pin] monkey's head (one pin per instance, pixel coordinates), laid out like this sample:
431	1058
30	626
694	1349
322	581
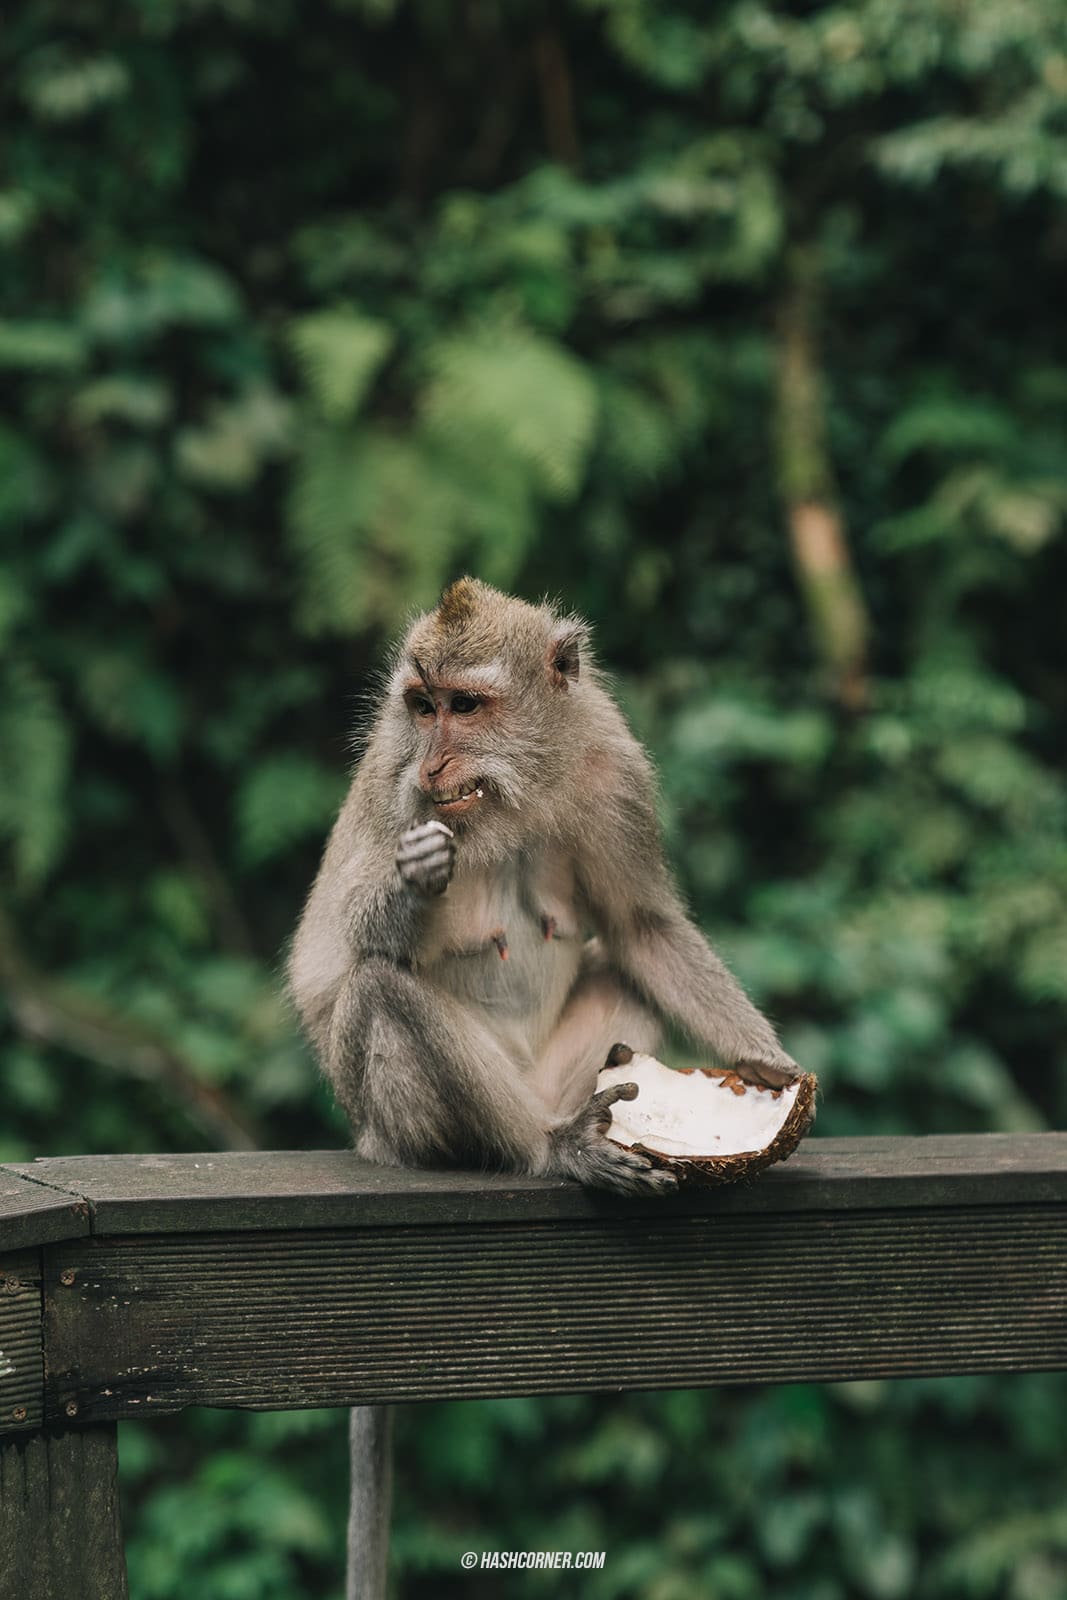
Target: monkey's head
487	689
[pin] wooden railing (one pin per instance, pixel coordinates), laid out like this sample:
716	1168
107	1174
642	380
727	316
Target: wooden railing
133	1286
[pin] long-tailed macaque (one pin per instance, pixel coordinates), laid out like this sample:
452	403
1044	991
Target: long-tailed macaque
493	912
494	915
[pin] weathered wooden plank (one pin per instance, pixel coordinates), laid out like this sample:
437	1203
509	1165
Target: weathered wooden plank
60	1530
21	1368
337	1317
334	1188
33	1213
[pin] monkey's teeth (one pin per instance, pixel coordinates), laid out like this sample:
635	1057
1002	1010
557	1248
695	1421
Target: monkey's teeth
460	794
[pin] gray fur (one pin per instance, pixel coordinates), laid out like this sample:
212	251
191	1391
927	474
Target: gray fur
435	1045
439	1049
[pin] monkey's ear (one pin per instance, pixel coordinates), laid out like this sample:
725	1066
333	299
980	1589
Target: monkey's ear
565	655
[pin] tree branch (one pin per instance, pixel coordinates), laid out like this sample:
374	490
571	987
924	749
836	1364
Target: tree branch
556	87
837	615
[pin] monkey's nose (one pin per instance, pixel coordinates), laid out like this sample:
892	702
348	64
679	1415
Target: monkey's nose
435	772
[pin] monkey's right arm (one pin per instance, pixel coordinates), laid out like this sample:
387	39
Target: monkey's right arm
420	1076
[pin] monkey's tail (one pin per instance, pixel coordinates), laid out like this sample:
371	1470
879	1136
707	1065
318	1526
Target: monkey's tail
370	1435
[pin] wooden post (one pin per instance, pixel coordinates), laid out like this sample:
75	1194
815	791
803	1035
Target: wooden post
60	1530
370	1437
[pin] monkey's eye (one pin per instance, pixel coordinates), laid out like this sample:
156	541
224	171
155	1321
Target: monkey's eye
421	706
464	704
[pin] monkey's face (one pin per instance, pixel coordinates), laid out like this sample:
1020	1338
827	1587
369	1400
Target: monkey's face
486	683
454	722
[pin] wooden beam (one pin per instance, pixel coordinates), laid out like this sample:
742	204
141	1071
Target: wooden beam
145	1325
314	1278
259	1190
60	1529
33	1212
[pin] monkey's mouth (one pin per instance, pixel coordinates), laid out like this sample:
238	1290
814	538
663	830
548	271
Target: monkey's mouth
452	801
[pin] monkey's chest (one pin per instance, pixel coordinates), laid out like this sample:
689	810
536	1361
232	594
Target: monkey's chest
508	942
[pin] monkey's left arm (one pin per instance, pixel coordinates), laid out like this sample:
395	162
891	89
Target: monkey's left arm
670	963
655	947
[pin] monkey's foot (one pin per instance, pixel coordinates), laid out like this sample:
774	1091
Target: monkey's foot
769	1074
582	1150
425	857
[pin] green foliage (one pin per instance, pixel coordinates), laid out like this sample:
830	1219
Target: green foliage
339	351
284	799
499	390
304	312
36	752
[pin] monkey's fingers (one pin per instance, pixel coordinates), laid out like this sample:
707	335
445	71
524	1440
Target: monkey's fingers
611	1167
660	1180
425	841
426	830
769	1074
431	876
600	1105
620	1055
426	850
425	857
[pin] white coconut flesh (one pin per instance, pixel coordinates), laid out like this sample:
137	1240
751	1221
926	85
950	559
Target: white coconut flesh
689	1114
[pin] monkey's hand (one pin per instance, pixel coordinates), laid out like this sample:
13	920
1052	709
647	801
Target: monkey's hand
425	857
582	1150
770	1073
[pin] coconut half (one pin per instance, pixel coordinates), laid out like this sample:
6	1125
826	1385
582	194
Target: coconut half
705	1123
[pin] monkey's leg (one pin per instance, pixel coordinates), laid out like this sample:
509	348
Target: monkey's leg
370	1438
423	1079
601	1010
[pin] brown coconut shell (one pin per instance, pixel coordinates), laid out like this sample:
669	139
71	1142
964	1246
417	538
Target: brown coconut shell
711	1170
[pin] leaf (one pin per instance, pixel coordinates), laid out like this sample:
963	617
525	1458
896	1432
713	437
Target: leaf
378	519
159	290
35	742
339	352
283	800
638	438
227	450
511	390
949	423
133	701
123	397
24	487
40	346
61	86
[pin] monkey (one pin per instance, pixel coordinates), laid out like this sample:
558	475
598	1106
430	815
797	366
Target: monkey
494	920
494	912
